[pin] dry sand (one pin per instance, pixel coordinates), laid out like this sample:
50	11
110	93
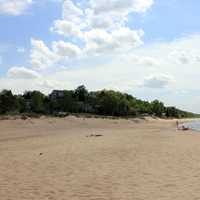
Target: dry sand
47	159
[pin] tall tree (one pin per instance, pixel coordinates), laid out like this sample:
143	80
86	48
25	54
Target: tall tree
157	108
81	93
7	101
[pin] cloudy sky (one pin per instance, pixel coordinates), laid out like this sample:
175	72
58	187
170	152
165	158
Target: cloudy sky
149	48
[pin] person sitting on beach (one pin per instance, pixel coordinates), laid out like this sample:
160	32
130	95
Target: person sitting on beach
183	128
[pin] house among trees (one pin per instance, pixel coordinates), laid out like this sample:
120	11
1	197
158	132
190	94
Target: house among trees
57	94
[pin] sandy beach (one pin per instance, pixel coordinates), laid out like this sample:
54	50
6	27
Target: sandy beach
61	159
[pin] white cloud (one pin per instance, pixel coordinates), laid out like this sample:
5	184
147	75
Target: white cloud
101	24
71	11
183	59
143	60
128	37
113	14
65	49
50	84
185	56
41	56
14	7
157	82
103	21
197	58
120	6
101	41
22	73
71	23
66	28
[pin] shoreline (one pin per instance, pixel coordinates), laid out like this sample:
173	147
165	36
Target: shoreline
191	125
88	115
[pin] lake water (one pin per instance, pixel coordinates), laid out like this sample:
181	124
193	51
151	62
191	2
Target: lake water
194	125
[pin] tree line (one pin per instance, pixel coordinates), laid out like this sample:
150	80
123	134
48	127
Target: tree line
80	100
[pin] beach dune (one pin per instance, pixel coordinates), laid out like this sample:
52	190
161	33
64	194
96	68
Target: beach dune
62	159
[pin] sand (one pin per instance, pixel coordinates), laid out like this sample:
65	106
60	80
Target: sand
61	159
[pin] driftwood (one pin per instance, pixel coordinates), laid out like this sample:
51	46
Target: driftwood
94	135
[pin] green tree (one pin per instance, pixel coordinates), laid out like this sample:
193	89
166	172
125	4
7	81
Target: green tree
37	102
157	108
7	102
105	102
68	102
172	112
34	101
108	102
81	93
124	107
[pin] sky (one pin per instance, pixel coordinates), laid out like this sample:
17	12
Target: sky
148	48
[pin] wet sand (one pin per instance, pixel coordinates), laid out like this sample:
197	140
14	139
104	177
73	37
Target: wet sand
62	159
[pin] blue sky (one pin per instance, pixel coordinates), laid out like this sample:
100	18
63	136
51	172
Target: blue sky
149	48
